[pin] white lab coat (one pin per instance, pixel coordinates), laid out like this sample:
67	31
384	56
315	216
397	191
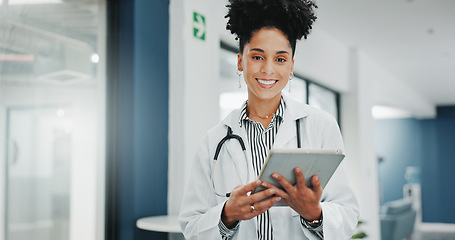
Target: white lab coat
201	208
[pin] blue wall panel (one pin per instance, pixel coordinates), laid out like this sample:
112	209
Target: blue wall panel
428	144
125	118
446	159
399	150
151	110
431	186
142	116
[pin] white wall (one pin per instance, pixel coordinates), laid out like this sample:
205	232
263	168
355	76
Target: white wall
392	92
357	131
324	60
193	96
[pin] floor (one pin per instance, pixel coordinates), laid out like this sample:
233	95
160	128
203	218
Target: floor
427	232
433	236
435	232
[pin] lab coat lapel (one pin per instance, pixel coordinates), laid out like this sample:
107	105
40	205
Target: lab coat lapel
244	166
287	134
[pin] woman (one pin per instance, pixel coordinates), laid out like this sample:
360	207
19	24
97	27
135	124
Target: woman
267	31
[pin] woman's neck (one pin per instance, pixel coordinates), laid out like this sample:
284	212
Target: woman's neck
261	110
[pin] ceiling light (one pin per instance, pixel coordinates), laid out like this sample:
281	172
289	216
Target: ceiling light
383	112
95	58
17	57
28	2
60	113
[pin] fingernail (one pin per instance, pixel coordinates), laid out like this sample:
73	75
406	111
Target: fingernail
258	181
264	184
272	191
297	169
316	178
275	175
277	199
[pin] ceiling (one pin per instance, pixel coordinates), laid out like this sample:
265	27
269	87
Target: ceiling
411	39
47	42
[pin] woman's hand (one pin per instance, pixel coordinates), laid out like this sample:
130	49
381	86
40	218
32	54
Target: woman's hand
242	206
302	199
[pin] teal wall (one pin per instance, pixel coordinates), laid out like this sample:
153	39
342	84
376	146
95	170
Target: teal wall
427	144
138	87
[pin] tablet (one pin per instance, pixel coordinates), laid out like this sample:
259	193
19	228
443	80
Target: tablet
321	162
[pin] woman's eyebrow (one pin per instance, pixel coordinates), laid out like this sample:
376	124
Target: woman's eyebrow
262	51
257	49
282	52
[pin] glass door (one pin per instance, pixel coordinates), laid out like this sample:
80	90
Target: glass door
52	119
38	172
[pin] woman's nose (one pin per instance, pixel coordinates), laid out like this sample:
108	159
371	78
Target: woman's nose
267	67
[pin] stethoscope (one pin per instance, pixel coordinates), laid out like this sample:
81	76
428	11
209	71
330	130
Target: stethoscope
231	135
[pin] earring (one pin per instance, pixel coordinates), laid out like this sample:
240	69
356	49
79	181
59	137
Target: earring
290	83
239	73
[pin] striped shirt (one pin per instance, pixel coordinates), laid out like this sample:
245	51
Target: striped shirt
260	141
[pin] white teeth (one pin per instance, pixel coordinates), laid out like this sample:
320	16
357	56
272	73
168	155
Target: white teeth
266	82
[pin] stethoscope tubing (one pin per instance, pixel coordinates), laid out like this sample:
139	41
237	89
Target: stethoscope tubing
229	136
228	194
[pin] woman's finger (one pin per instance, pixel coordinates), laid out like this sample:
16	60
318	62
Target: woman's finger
299	179
260	207
284	183
259	196
316	184
248	187
279	192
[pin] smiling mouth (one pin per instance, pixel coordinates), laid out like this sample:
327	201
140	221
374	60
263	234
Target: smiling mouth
267	82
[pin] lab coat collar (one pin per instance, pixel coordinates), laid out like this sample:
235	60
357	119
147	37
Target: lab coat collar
232	120
294	110
287	132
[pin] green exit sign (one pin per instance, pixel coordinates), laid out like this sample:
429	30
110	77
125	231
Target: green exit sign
199	26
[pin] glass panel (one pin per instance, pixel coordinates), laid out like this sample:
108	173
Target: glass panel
39	173
230	101
298	89
52	112
324	99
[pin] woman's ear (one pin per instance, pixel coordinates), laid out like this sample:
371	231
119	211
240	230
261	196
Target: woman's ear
292	66
239	62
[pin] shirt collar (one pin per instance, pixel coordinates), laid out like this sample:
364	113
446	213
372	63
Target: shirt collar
278	114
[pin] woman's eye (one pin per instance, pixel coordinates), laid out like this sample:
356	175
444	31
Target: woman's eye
257	58
281	60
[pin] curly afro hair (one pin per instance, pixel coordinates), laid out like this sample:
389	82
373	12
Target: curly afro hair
293	17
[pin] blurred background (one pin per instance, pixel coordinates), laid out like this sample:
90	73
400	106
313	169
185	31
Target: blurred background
101	104
52	118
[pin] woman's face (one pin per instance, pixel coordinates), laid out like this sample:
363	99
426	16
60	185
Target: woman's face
266	63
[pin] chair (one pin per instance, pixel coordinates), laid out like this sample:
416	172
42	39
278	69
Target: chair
397	219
